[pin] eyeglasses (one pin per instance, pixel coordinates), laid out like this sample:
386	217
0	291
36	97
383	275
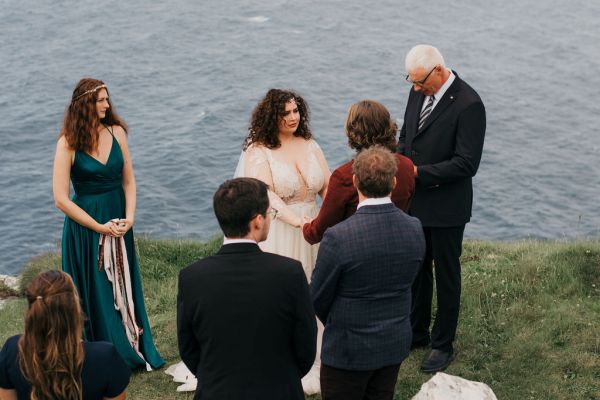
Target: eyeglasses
273	213
422	81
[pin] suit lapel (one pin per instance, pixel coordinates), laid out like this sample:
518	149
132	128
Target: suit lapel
415	103
448	98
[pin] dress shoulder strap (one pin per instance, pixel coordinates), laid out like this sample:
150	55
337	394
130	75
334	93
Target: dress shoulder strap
110	130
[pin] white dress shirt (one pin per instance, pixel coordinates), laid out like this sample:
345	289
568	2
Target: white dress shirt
440	93
374	202
226	240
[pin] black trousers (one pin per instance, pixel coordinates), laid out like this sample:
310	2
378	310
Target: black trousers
444	247
341	384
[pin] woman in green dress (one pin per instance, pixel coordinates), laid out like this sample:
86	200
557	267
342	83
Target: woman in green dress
97	242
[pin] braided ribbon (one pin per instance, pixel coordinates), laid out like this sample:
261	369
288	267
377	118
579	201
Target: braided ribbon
112	255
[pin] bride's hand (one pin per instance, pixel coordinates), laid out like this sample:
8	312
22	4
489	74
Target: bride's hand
301	221
297	222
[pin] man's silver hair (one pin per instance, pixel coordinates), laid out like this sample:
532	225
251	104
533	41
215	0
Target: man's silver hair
423	56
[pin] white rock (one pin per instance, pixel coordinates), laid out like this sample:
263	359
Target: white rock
449	387
10	281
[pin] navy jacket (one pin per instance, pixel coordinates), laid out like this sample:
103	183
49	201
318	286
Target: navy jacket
361	287
104	373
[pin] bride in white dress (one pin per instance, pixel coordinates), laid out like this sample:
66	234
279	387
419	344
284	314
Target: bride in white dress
280	151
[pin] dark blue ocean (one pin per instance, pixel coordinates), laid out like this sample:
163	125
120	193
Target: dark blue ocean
186	75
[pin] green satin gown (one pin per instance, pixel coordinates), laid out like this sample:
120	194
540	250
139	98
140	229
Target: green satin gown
99	192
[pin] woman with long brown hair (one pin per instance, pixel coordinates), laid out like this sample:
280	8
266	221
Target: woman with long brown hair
50	360
97	242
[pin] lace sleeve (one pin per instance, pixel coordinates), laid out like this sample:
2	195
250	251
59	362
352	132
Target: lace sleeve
256	165
316	149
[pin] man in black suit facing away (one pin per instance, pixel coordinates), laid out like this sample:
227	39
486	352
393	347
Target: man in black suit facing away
361	286
245	324
443	133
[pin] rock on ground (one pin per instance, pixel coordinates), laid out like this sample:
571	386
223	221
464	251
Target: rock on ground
449	387
10	281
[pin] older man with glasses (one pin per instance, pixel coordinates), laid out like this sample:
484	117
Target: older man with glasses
443	134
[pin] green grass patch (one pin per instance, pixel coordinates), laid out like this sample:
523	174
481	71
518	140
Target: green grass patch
528	325
7	291
36	265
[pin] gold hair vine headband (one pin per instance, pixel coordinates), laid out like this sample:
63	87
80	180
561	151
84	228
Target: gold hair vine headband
89	91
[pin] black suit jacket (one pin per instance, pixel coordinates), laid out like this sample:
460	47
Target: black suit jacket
446	151
245	324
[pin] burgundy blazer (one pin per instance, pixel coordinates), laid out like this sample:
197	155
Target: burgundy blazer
342	198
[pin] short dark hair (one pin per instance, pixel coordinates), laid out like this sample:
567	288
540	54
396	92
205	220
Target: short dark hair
237	201
375	169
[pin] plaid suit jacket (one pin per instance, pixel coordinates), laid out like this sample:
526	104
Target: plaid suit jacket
361	287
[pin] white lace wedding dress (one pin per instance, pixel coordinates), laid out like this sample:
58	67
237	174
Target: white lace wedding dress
293	193
294	188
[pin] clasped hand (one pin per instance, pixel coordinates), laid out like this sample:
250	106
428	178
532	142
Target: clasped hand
302	221
117	227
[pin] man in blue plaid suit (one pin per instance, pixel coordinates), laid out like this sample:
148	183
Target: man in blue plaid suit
361	287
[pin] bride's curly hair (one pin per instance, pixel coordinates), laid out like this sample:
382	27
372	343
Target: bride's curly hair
51	350
81	121
264	123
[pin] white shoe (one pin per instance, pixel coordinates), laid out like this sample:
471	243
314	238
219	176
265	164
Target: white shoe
188	387
181	374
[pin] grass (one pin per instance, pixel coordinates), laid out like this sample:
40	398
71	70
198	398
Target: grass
529	323
7	291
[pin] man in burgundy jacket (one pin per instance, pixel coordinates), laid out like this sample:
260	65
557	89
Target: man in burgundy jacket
368	123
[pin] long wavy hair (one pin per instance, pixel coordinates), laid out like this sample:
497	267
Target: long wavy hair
264	123
81	121
51	348
369	123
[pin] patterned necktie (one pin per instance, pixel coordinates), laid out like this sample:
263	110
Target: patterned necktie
426	111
